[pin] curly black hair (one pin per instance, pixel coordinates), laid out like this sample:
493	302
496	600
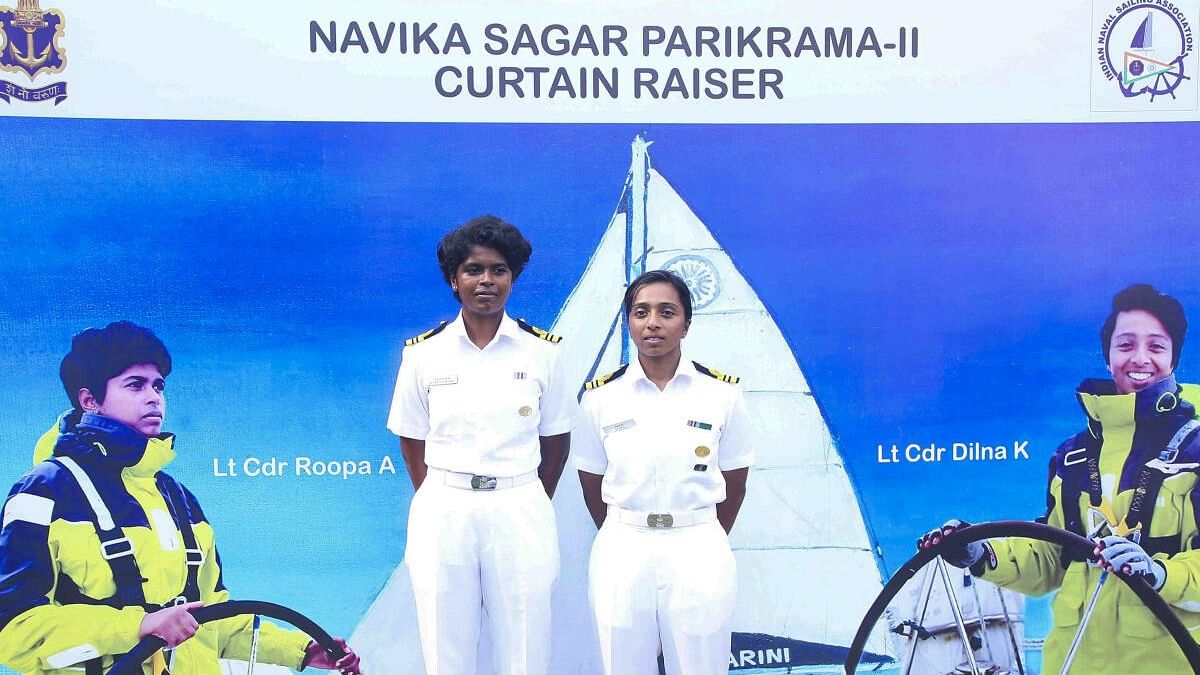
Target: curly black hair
488	231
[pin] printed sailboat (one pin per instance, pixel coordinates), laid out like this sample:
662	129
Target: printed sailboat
807	568
993	617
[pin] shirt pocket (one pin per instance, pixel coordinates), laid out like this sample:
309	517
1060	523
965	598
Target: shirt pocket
526	398
626	447
446	393
698	439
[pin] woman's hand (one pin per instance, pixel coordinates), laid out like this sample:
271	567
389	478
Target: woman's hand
173	624
964	555
1128	558
317	657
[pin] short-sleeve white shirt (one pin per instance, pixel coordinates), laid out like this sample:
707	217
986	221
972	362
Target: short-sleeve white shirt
663	451
481	411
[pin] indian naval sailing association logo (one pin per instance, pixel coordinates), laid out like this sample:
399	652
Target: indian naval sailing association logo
29	44
1142	48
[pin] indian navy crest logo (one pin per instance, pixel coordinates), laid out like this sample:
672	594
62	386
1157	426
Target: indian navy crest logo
29	45
1145	52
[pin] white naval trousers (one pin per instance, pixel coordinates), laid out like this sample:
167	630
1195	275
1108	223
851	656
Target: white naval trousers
473	554
671	589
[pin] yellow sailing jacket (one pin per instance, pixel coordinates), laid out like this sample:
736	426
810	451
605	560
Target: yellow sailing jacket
54	581
1122	636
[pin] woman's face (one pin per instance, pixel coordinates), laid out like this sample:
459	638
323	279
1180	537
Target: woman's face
656	322
483	282
134	398
1140	351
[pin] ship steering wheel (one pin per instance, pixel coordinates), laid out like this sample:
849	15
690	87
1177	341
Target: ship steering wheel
131	663
1071	543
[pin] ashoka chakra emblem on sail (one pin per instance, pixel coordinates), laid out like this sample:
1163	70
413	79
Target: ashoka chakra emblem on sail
700	276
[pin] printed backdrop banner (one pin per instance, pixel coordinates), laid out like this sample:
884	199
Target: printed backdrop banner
903	227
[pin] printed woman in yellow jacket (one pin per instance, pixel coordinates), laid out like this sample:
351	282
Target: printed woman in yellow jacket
1128	481
100	548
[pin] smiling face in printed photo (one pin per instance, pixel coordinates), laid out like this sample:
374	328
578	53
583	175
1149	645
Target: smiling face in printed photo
135	398
656	320
1139	353
483	281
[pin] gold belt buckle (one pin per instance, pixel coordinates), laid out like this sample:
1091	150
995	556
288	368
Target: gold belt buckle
658	520
483	482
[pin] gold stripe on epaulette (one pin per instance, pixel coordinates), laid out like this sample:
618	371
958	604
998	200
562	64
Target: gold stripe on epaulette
731	379
426	335
545	335
605	379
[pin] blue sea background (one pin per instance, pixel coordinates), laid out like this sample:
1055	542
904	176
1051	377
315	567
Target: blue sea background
937	283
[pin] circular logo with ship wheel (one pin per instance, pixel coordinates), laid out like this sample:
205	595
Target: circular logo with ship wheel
700	276
1143	47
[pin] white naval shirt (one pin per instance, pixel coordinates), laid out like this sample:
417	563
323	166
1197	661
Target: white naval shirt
663	451
481	411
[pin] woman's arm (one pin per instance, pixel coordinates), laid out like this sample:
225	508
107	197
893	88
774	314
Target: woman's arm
414	458
591	483
736	456
591	460
1030	566
735	492
554	457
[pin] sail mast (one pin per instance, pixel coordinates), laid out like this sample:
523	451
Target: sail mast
635	222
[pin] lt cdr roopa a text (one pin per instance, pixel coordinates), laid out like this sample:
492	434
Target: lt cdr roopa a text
301	466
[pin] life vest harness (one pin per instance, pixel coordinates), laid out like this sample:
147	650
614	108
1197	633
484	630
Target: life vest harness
117	550
1083	473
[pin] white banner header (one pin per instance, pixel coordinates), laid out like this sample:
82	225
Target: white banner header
608	61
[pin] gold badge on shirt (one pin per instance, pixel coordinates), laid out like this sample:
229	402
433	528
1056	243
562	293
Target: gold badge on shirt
702	451
525	411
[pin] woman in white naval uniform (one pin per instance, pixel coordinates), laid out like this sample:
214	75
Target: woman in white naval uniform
481	418
663	450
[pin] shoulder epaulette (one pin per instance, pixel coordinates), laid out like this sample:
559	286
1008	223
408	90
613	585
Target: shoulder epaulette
605	379
731	379
534	330
426	335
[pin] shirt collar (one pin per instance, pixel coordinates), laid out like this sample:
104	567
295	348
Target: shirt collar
684	372
508	328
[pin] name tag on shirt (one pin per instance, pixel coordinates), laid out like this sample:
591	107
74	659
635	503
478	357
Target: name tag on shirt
620	426
441	380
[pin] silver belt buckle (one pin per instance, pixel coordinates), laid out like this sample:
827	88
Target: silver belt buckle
483	482
657	520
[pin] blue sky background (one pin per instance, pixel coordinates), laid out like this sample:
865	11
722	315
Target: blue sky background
937	283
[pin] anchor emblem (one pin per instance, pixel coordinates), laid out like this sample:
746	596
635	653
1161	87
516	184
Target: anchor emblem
30	39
